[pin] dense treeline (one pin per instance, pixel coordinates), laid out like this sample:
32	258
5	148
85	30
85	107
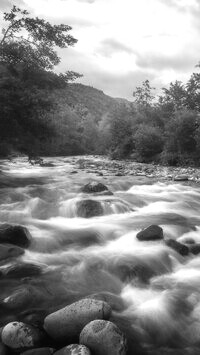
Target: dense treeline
43	114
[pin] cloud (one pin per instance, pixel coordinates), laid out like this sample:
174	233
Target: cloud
111	46
180	62
8	4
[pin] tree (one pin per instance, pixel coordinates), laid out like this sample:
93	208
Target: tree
27	59
148	141
175	95
143	94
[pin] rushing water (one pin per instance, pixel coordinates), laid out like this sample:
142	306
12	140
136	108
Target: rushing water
154	292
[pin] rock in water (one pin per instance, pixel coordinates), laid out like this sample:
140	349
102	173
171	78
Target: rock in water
181	177
21	270
180	248
17	235
103	338
89	208
195	249
9	251
39	351
152	232
93	187
73	349
67	323
19	336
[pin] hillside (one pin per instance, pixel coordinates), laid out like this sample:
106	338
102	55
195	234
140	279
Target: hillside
81	97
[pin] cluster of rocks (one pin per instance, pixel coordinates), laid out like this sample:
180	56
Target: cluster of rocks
106	167
155	232
81	328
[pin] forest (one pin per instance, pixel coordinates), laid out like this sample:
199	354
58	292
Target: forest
44	113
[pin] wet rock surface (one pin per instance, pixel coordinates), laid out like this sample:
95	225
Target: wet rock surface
69	321
74	349
19	336
89	208
16	235
152	232
179	247
103	338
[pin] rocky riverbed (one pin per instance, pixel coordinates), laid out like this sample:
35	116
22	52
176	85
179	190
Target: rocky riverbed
99	257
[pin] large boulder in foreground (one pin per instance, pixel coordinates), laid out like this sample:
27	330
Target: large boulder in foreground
95	187
89	208
67	323
178	247
103	338
17	235
152	232
20	336
73	349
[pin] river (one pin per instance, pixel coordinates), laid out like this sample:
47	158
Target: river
154	291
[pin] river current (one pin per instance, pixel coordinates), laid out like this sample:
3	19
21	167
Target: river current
153	290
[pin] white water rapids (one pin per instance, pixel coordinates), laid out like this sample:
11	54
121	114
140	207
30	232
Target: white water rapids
154	291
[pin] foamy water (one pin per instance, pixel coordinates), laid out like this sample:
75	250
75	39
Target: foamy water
157	291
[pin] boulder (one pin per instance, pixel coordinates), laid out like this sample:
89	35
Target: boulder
89	208
181	177
152	232
68	322
21	270
103	338
73	349
39	351
95	187
20	336
8	251
178	247
17	235
195	249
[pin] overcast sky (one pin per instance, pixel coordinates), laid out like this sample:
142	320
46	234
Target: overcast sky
124	42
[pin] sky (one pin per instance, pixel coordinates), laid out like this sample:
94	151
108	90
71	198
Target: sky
121	43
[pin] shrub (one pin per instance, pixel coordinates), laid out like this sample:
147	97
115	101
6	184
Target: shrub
148	141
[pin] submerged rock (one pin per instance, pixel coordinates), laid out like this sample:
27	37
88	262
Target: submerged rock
8	251
19	299
95	187
74	349
89	208
178	247
152	232
115	302
21	270
67	323
195	248
181	177
103	338
19	336
17	235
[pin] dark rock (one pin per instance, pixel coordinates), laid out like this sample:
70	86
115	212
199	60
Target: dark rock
73	349
8	251
181	177
17	235
89	208
195	248
68	322
21	270
39	351
20	336
152	232
178	247
103	338
93	187
3	349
